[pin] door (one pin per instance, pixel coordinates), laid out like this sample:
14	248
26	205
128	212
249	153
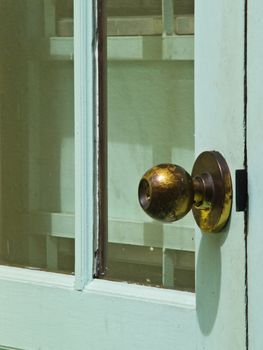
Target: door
50	192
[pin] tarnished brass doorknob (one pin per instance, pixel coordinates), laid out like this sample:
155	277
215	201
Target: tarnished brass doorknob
167	192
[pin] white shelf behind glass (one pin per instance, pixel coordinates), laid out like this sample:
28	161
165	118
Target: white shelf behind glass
176	47
62	225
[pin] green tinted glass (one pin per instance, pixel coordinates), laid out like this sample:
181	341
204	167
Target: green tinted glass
37	134
151	121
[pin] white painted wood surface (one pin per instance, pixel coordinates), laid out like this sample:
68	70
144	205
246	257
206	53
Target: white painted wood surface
42	310
84	91
219	112
255	170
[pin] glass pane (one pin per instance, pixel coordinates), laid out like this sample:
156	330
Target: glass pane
151	121
37	135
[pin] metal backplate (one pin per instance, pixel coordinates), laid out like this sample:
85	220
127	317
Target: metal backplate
215	216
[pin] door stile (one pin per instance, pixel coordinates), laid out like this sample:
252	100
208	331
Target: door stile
221	258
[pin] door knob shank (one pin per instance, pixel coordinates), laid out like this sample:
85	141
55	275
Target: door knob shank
167	192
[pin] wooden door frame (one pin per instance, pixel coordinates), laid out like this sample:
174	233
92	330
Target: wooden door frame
255	168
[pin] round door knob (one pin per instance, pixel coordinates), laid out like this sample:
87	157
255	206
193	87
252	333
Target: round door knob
167	192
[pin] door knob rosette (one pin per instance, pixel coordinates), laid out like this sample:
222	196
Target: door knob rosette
167	192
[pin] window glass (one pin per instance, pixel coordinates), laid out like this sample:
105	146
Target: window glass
37	134
150	121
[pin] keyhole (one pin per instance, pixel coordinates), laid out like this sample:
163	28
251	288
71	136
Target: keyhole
144	194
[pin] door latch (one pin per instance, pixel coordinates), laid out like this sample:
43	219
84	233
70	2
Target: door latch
241	190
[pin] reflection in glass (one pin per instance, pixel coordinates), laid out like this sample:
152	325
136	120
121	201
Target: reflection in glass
151	121
37	136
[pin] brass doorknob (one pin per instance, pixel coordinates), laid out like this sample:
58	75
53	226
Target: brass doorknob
167	192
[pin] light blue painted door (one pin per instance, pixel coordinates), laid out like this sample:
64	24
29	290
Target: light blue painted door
51	310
